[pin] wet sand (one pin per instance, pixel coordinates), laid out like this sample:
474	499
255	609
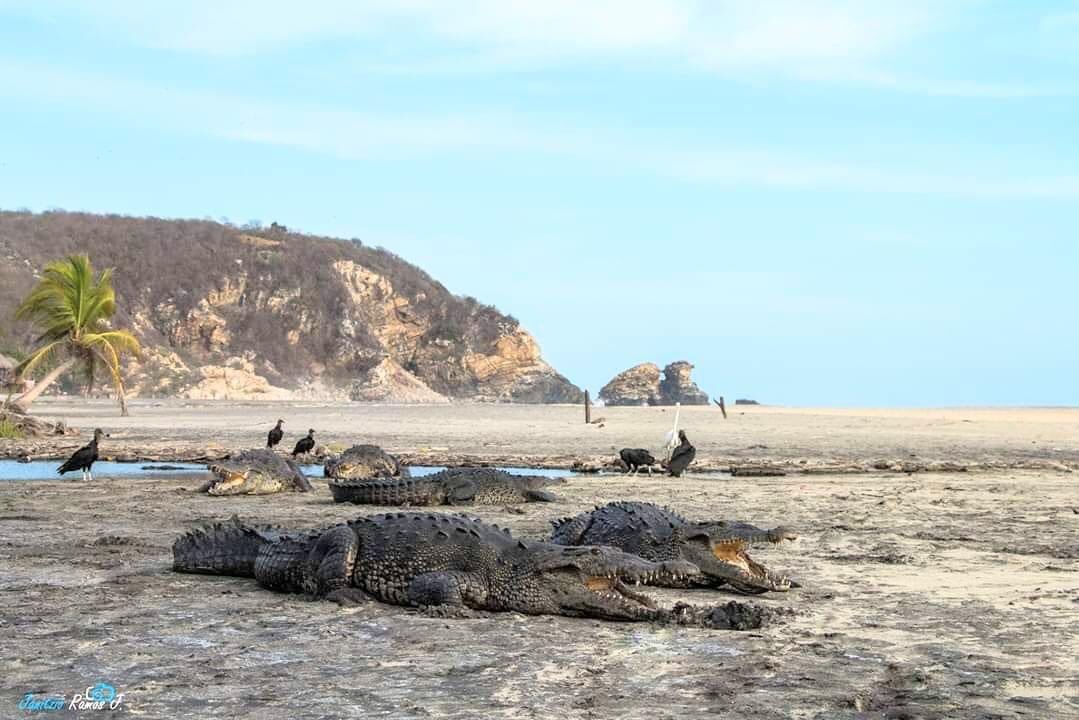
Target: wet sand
925	595
556	436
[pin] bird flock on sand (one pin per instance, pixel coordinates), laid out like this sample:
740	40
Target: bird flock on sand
679	452
678	456
305	445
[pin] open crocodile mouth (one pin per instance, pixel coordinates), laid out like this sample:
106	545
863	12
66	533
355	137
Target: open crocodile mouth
226	478
615	589
349	471
613	594
226	474
745	574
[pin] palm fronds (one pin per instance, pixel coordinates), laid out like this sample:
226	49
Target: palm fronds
72	308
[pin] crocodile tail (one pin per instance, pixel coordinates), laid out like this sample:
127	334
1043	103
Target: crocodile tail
228	548
396	491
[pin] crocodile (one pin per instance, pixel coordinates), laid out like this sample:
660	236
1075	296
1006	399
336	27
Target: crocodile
659	534
364	462
454	486
446	564
255	472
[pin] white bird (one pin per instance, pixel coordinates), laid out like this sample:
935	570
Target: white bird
671	441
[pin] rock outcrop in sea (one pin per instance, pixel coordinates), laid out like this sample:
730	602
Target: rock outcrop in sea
678	387
644	384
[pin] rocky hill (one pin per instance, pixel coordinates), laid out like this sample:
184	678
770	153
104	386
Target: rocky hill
260	312
644	385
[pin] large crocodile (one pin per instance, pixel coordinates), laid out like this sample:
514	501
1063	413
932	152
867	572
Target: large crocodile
660	534
255	472
451	565
455	486
364	462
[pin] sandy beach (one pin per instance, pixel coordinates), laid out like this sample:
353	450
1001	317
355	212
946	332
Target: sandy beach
924	594
556	436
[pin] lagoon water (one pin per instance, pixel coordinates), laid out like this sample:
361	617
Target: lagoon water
46	470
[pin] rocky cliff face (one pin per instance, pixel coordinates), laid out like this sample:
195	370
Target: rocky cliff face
678	387
389	382
266	313
637	386
643	385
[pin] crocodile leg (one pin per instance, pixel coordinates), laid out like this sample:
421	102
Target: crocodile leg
541	496
330	566
460	492
447	590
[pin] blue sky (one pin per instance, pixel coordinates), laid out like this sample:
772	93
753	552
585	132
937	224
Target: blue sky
816	202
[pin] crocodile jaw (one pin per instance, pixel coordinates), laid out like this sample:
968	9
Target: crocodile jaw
229	482
730	563
601	587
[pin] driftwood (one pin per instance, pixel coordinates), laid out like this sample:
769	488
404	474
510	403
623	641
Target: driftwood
722	406
28	426
757	471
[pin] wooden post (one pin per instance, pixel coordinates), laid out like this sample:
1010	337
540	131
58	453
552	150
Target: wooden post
587	408
723	407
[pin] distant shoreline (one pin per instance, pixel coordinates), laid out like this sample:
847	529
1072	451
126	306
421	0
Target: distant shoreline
794	441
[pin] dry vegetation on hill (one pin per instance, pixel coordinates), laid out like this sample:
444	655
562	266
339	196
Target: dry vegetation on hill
296	310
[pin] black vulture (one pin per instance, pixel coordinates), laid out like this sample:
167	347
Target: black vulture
306	444
636	458
275	435
83	458
682	456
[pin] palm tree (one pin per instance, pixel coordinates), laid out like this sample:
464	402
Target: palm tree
73	308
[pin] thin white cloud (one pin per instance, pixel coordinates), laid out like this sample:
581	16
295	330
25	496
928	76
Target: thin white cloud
355	135
533	27
342	133
829	41
767	169
1062	22
791	32
1059	33
702	32
937	87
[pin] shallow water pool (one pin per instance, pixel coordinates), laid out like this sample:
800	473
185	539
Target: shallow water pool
46	470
